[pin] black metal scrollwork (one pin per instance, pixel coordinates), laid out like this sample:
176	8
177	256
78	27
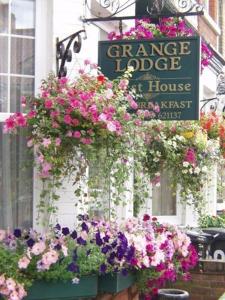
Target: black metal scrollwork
64	54
108	10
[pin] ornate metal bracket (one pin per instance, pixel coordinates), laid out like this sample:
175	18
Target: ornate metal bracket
220	91
153	9
64	54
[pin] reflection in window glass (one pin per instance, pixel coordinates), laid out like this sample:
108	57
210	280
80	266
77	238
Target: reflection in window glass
22	56
3	16
16	176
20	87
23	17
4	54
3	93
164	197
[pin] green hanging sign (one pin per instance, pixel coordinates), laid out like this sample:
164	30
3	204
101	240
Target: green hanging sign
166	71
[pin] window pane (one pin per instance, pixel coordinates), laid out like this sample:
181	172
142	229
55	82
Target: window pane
3	93
23	17
22	56
16	176
20	87
164	197
4	16
4	54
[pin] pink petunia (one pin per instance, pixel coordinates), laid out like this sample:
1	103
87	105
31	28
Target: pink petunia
48	104
23	262
46	142
77	134
67	119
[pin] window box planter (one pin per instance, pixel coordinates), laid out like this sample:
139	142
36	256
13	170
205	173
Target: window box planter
43	290
114	283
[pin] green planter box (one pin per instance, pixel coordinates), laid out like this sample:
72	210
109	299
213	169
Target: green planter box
87	287
114	283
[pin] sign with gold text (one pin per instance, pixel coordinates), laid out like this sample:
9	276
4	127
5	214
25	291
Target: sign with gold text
166	71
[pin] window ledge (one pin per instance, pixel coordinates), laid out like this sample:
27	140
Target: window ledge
213	25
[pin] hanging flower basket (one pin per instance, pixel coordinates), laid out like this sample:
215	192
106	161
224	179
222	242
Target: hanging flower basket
115	282
86	287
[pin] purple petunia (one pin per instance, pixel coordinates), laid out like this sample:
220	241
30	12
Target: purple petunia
103	268
72	267
65	231
30	243
74	235
17	233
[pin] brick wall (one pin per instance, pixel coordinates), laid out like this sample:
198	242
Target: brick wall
207	283
213	9
127	294
207	32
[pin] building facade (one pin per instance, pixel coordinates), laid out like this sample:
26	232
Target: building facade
28	33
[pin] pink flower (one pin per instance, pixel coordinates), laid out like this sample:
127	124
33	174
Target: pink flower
127	117
87	62
10	284
31	114
46	166
55	125
61	101
133	104
111	126
137	122
67	119
46	142
23	262
30	143
102	117
9	124
23	101
86	141
63	80
49	258
48	104
123	84
22	293
69	133
14	296
74	103
21	120
38	248
190	156
77	134
109	94
75	122
54	113
40	158
2	280
2	235
58	141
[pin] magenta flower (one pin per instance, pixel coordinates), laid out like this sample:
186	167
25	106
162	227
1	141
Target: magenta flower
190	156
